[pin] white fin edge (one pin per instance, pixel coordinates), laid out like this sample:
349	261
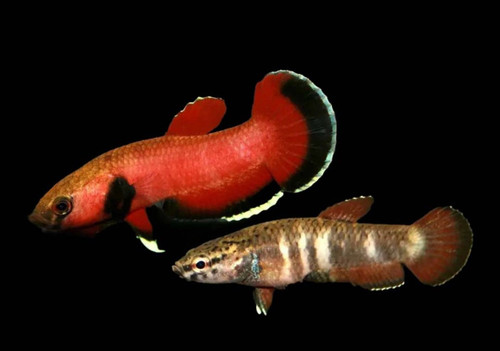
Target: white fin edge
333	121
256	210
151	245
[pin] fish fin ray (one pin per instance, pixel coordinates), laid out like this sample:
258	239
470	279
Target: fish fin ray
303	125
237	202
198	117
441	243
373	276
349	210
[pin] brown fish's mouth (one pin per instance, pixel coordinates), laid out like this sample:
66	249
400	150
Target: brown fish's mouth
43	223
178	270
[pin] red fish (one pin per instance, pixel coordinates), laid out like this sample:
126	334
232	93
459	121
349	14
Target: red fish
190	173
333	248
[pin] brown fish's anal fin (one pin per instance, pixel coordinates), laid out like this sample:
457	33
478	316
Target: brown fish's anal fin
349	210
143	229
263	298
438	245
374	276
198	117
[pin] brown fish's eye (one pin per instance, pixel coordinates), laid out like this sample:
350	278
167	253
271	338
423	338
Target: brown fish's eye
200	264
62	206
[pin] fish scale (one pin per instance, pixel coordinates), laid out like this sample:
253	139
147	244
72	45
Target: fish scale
333	248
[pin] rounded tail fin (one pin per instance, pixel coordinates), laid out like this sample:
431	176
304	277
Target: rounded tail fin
439	245
302	123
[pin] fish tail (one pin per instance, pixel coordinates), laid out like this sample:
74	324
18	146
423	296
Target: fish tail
439	245
301	121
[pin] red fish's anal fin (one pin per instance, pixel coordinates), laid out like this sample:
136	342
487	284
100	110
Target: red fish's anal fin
438	245
198	117
349	210
249	194
263	298
141	225
373	276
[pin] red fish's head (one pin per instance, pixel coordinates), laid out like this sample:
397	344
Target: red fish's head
75	205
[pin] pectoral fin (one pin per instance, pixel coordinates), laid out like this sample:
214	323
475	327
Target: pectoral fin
143	229
263	298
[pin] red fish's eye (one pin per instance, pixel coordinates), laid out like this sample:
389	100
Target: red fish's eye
62	206
201	263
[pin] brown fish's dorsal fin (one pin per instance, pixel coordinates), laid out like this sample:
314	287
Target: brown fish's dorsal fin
349	210
198	117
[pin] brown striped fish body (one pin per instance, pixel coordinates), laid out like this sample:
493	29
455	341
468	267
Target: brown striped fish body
333	248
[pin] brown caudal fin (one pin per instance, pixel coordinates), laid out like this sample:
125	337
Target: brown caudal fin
349	210
198	117
439	245
303	128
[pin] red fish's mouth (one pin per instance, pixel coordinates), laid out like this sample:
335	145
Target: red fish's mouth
47	226
43	223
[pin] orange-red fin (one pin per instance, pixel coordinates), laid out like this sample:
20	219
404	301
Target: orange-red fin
439	245
142	227
349	210
263	298
198	117
250	194
373	276
139	220
301	124
376	276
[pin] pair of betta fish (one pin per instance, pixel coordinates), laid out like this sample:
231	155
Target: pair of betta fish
192	173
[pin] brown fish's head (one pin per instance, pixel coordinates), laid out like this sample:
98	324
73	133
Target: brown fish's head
74	205
223	260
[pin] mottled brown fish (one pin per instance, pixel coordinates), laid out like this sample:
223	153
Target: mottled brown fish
333	248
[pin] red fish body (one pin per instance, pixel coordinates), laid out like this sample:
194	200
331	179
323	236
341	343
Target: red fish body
333	248
191	173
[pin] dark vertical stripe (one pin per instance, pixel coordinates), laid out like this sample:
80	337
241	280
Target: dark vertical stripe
336	239
294	255
119	198
312	257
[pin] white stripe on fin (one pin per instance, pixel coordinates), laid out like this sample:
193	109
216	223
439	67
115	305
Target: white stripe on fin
256	210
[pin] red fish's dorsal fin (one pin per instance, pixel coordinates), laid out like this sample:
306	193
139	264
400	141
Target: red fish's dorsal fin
198	117
349	210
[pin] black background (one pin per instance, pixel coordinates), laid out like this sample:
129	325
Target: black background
408	134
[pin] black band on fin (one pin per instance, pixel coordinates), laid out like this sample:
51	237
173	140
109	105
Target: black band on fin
174	208
119	198
311	103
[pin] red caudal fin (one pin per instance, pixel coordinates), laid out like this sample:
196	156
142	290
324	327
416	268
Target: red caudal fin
439	245
303	127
